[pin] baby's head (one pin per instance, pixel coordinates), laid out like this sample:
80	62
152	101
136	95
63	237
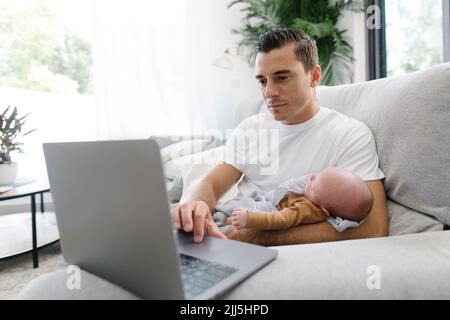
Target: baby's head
340	193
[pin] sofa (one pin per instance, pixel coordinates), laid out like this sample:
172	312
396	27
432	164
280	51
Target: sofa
409	116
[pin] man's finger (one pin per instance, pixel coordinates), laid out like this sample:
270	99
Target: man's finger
200	214
213	231
186	216
175	213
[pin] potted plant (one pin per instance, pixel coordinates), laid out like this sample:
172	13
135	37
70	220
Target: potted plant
318	18
10	130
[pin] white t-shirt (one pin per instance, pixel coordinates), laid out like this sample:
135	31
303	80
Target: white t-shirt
269	152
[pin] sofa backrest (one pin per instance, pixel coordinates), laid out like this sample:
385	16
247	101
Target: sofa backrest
409	116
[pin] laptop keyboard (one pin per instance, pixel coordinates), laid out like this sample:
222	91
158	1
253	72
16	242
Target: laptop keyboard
197	275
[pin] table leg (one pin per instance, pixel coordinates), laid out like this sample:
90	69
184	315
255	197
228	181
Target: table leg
34	231
42	202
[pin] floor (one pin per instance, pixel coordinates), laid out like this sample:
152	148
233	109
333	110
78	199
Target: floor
17	272
15	236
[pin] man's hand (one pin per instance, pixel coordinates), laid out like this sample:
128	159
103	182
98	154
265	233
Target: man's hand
196	215
239	219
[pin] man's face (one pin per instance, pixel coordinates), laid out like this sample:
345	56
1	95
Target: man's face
285	85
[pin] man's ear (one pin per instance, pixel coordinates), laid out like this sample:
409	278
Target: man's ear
315	76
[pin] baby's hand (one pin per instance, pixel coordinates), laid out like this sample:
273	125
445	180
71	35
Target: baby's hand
239	218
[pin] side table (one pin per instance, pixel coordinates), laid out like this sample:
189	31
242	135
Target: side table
29	188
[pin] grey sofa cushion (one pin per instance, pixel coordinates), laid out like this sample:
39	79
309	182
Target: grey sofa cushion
410	118
333	270
403	220
342	270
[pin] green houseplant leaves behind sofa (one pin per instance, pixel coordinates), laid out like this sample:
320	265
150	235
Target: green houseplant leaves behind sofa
318	18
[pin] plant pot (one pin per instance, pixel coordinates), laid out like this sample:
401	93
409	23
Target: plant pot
8	173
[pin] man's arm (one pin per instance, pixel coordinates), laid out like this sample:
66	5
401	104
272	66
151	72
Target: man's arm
195	212
375	225
214	185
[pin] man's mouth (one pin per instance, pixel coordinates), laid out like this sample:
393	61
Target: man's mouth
277	106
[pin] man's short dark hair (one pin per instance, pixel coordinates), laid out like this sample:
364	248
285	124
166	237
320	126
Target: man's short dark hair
305	46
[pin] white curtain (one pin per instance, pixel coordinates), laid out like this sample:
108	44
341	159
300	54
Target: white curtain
152	68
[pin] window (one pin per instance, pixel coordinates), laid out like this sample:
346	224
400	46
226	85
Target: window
413	35
46	70
42	49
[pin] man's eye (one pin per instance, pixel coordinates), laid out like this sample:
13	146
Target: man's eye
262	82
282	78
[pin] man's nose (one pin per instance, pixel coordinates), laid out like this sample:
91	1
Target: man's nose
271	91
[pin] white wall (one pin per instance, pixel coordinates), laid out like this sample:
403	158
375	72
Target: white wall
355	25
230	86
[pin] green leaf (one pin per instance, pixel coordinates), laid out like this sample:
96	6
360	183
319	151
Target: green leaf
327	74
4	112
20	119
10	119
28	132
315	30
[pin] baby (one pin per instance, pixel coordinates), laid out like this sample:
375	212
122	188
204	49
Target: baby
334	194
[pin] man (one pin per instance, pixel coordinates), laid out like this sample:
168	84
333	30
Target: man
311	138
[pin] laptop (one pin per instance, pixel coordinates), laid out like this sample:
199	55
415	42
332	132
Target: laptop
114	221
